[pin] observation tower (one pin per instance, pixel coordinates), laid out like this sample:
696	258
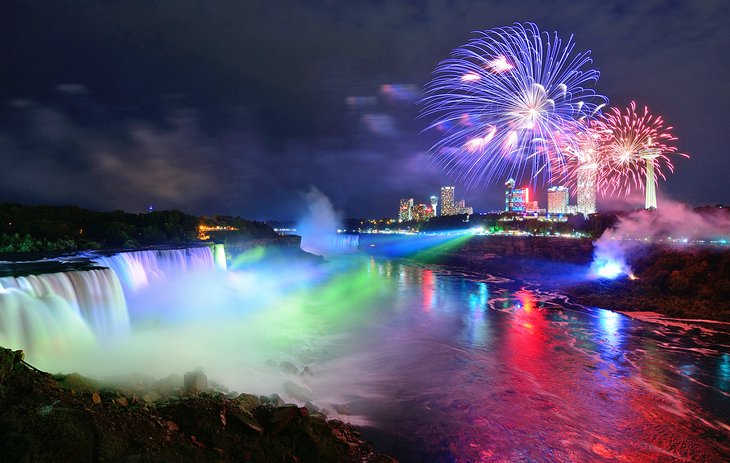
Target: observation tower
648	155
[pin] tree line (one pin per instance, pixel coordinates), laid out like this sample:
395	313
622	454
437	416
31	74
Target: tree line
26	228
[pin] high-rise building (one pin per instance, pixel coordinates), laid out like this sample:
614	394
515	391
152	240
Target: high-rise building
434	204
405	213
515	199
557	197
422	212
460	208
586	191
447	200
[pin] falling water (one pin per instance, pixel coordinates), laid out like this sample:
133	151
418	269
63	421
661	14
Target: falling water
57	311
61	312
439	364
137	269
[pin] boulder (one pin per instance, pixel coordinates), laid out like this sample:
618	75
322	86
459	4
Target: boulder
195	382
8	361
289	368
298	392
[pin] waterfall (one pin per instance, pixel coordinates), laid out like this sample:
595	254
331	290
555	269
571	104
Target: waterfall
219	255
331	244
58	311
137	269
347	243
63	310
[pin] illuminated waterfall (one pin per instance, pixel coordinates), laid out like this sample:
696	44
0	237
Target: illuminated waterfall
61	310
137	269
219	256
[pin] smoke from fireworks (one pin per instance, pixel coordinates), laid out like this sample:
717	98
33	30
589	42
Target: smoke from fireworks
507	101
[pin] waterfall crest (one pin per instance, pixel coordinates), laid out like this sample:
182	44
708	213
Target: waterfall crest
137	269
64	310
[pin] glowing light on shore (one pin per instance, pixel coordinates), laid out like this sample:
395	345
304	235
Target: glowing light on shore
610	270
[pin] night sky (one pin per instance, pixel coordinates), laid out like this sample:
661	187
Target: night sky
239	107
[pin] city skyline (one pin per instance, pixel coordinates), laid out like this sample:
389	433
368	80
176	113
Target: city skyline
240	108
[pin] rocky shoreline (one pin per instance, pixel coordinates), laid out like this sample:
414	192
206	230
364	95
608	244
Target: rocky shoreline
46	417
690	283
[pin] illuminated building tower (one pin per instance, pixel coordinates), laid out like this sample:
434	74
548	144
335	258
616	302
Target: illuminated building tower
405	213
420	212
557	200
515	199
447	200
509	189
461	208
434	204
586	191
649	154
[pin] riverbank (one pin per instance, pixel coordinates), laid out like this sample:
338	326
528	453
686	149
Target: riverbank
71	418
689	282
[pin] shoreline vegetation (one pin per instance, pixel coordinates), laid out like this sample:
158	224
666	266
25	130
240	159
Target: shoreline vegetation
678	282
55	229
67	417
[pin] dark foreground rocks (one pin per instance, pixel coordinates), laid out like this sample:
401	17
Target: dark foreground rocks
71	418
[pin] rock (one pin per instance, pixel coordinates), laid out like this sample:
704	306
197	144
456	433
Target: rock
306	371
246	423
171	383
283	417
247	401
8	361
288	368
151	396
342	409
311	407
219	387
45	421
77	383
275	400
195	382
297	391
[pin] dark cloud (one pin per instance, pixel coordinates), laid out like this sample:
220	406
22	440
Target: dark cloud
237	106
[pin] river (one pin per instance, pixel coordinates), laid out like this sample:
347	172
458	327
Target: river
434	363
467	367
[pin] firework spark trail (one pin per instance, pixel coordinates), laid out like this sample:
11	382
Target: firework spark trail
625	134
507	101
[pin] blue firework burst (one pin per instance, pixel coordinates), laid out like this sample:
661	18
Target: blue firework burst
507	101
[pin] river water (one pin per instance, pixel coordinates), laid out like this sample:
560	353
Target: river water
468	367
435	364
